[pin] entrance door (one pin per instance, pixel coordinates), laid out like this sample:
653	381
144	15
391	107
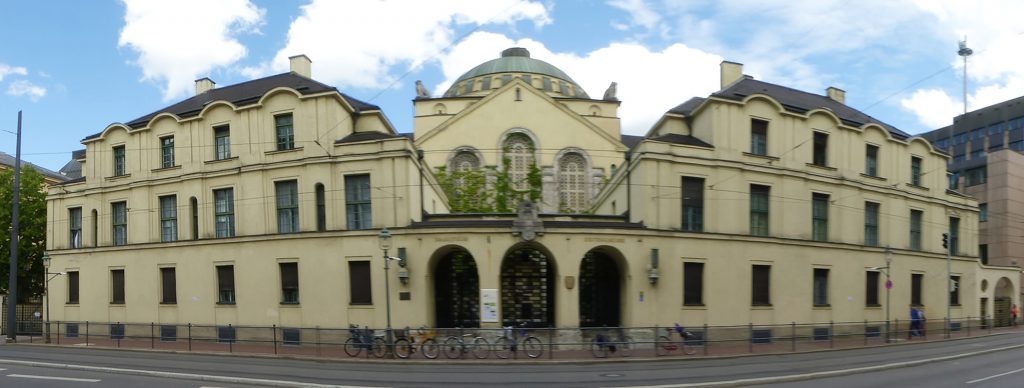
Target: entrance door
457	291
527	288
984	313
1002	311
599	291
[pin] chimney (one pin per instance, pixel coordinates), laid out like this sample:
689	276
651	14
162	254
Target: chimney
837	94
731	72
301	65
204	84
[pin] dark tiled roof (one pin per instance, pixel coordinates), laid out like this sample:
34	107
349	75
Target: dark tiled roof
687	107
70	181
72	169
630	141
246	93
800	102
8	160
356	137
676	138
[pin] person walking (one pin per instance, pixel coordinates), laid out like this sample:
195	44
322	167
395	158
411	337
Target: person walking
1014	312
915	322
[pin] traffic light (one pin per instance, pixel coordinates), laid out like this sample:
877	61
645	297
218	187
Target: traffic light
945	240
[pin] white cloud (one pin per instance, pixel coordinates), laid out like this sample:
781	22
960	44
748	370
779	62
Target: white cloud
25	88
933	107
350	45
6	70
180	41
640	13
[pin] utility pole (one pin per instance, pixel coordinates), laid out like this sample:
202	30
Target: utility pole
12	288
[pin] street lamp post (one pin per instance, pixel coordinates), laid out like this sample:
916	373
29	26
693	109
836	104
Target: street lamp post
46	291
888	285
384	238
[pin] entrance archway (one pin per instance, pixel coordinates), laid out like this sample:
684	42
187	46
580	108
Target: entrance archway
1002	301
600	290
456	290
527	288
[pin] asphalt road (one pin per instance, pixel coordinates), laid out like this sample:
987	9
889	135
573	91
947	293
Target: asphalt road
968	360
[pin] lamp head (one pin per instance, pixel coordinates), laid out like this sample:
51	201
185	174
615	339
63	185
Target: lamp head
384	239
46	259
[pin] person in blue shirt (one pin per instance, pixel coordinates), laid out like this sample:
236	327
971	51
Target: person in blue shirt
916	317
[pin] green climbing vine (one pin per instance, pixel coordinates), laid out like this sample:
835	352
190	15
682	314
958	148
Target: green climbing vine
468	190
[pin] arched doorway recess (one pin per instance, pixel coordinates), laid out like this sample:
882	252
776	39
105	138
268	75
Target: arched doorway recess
456	290
527	288
600	290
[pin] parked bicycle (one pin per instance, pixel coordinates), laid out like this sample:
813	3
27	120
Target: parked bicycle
363	339
605	343
664	345
405	345
509	342
458	346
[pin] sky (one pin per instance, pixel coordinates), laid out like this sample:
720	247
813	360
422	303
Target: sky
75	67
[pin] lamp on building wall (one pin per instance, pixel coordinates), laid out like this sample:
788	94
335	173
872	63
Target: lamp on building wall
403	271
652	270
384	241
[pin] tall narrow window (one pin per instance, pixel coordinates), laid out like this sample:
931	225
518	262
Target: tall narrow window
285	133
72	287
758	137
871	223
167	152
954	236
226	284
916	220
95	228
759	209
954	290
819	217
871	160
871	289
222	142
168	218
287	206
357	201
915	170
983	212
119	223
117	286
915	289
224	212
821	287
75	227
761	285
820	149
359	282
519	155
119	161
321	208
693	284
693	204
194	205
289	282
168	286
983	253
572	183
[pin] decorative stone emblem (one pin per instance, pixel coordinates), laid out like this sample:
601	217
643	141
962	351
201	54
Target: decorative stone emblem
528	224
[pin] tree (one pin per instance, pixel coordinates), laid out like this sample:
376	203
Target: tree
32	236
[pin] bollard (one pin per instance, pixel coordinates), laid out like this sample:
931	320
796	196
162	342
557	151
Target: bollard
152	335
831	335
792	336
750	337
231	342
865	332
273	330
190	336
707	339
316	333
58	332
551	343
968	325
86	333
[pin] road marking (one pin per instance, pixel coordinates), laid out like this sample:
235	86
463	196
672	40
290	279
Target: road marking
55	378
994	376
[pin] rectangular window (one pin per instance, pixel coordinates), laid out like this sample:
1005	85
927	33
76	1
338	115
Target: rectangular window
75	227
954	236
359	282
119	222
871	289
819	217
954	180
954	290
983	212
289	282
222	142
693	284
758	137
287	206
119	161
821	286
871	160
167	152
226	284
224	212
871	224
915	289
975	176
916	219
759	209
321	208
285	133
357	201
72	287
193	203
761	285
168	286
983	253
117	286
168	218
915	171
693	204
820	149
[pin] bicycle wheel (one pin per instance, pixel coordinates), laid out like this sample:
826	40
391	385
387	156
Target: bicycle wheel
503	347
598	349
429	348
687	348
403	348
452	348
352	348
626	346
663	345
533	347
480	348
380	348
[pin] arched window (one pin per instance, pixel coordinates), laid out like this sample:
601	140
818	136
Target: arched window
465	161
519	155
572	193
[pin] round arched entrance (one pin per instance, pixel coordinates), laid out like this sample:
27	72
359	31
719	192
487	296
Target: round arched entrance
1001	303
527	287
456	290
600	289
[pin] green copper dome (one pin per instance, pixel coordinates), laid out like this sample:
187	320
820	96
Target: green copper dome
517	60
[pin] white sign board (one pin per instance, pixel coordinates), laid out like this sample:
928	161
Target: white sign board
488	305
